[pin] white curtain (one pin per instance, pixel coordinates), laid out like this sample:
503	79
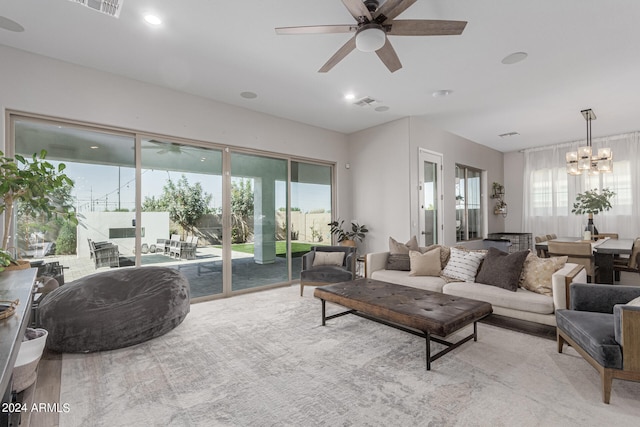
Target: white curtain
549	192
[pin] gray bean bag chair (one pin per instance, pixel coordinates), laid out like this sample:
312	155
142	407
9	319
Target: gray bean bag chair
114	309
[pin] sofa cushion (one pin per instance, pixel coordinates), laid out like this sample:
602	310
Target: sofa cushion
326	274
463	264
522	299
537	273
594	333
399	254
328	258
502	269
428	283
425	264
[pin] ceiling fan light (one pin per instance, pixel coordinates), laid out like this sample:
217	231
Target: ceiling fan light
370	38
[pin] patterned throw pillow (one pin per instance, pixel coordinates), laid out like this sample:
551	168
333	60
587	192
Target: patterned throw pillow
537	272
463	265
399	254
425	264
502	269
328	258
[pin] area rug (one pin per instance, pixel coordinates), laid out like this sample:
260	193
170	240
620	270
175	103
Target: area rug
263	359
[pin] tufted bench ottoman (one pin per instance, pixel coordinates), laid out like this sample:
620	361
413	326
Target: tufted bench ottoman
114	309
408	309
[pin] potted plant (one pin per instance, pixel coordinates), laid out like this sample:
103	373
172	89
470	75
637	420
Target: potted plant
32	183
592	203
348	236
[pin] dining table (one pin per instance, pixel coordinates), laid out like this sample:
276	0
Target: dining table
604	252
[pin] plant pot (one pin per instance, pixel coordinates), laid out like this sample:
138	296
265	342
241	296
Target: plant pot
31	349
19	265
351	243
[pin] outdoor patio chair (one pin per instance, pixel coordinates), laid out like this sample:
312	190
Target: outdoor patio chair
104	254
324	268
175	239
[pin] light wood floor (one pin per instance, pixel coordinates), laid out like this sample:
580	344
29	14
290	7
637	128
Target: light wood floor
47	390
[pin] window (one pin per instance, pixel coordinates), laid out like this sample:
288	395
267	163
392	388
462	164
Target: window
469	212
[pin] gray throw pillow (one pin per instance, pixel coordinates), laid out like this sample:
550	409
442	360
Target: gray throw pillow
399	254
502	269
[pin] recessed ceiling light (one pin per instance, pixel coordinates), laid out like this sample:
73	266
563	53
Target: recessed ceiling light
441	93
514	58
152	19
382	109
249	95
350	96
10	25
94	147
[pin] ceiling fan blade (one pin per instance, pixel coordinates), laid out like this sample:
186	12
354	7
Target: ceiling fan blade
425	27
388	55
317	29
357	9
392	8
346	49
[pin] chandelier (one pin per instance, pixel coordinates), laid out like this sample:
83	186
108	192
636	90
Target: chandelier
584	160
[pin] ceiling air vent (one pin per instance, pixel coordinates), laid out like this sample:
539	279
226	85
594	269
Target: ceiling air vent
108	7
367	100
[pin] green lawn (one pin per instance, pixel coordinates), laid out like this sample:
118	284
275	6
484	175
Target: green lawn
297	249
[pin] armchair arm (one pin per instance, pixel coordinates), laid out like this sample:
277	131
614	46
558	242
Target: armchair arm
350	262
627	333
600	298
307	260
376	261
560	281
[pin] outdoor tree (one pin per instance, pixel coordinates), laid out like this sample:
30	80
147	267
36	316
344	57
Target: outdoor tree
185	203
241	210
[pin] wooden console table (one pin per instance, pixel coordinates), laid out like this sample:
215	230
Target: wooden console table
14	285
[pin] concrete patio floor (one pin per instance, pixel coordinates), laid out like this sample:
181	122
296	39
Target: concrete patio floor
204	272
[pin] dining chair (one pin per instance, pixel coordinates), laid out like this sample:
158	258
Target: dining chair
579	253
631	264
542	253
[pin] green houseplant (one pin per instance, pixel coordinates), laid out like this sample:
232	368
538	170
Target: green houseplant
33	183
592	203
348	236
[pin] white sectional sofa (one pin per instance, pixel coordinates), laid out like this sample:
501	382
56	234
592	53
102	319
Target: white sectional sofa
522	304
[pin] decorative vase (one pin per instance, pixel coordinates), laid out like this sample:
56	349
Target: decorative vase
591	226
348	242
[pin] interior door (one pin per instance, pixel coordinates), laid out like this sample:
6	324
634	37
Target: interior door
430	197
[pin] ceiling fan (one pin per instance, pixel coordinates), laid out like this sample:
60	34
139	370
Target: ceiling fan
163	147
374	22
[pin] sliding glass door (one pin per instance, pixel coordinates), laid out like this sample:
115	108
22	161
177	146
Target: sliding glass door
259	253
229	220
181	212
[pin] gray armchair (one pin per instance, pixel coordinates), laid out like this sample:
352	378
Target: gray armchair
604	330
323	274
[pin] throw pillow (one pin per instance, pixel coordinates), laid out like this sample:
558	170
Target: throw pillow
445	253
399	254
634	302
537	272
427	264
328	258
502	269
463	265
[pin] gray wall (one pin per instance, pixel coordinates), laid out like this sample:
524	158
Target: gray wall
384	174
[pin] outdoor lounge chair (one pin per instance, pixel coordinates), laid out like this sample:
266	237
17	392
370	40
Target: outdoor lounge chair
104	254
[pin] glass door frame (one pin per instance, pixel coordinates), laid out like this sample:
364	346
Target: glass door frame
428	156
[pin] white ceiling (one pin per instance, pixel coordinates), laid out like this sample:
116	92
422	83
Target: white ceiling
581	54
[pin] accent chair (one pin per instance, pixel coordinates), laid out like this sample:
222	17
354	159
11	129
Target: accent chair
324	265
603	326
